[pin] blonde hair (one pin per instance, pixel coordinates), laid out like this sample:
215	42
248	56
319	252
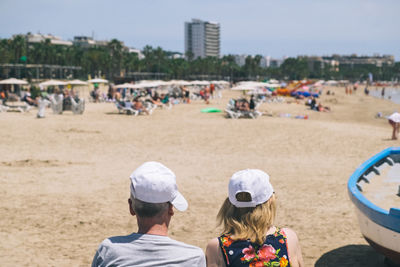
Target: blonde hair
247	223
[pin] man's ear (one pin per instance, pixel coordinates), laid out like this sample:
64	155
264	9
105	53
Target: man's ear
171	209
133	213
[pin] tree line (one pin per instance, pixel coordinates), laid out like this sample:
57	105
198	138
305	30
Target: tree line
115	62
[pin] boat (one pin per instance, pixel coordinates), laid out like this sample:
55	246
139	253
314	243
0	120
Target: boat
374	189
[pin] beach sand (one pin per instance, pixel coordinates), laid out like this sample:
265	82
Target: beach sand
65	178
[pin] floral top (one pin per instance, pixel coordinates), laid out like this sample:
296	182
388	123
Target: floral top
273	253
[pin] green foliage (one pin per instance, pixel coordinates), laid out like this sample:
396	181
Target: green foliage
294	69
114	61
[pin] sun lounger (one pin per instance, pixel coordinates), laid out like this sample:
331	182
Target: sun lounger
77	107
126	107
3	108
18	106
150	107
234	113
56	103
42	104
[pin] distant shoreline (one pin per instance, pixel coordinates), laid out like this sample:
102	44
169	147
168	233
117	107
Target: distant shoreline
391	93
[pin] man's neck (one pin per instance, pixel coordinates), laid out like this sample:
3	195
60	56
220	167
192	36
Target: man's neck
154	230
152	227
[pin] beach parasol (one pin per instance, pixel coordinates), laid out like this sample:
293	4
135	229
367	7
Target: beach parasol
126	85
13	81
178	82
245	87
200	83
52	83
97	80
77	82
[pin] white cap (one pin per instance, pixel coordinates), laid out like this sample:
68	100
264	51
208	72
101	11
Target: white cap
152	182
254	182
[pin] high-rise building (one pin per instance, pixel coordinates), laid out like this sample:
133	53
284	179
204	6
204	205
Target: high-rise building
202	38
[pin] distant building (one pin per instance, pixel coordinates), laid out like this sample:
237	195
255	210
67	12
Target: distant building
316	63
136	51
38	38
202	38
240	59
86	42
265	61
354	60
334	62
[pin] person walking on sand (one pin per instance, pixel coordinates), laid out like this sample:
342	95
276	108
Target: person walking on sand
249	237
154	194
394	121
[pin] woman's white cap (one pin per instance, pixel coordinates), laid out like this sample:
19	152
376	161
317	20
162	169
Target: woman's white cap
152	182
252	181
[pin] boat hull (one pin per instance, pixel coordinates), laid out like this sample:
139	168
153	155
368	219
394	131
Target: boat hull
382	239
380	227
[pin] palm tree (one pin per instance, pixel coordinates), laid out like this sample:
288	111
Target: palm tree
115	48
19	46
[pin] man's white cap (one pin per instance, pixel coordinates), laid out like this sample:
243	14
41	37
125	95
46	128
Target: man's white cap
152	182
254	182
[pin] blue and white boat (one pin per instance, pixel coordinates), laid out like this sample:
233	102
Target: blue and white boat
374	188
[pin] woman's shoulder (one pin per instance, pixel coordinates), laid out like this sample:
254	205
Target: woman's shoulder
213	254
293	245
289	234
213	243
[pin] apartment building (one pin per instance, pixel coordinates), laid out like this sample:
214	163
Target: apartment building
202	38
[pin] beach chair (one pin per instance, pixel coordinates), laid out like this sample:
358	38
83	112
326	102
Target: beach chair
150	107
231	110
126	107
42	104
56	103
19	106
77	107
232	113
3	108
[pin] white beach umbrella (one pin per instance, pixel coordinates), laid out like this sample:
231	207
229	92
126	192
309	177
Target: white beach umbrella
259	91
52	83
76	82
244	87
272	85
199	82
331	82
97	80
125	85
273	81
13	81
147	84
179	82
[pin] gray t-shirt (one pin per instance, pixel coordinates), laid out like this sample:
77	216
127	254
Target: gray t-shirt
147	250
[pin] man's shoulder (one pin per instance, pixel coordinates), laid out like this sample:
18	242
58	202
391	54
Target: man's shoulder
153	250
142	239
186	246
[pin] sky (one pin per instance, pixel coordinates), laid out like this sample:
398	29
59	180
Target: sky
275	28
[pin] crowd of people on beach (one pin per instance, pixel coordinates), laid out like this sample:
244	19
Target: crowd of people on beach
59	100
312	103
147	100
144	101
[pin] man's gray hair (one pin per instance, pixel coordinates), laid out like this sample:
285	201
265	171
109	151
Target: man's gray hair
146	209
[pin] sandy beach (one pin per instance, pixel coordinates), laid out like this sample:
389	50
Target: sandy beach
65	178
